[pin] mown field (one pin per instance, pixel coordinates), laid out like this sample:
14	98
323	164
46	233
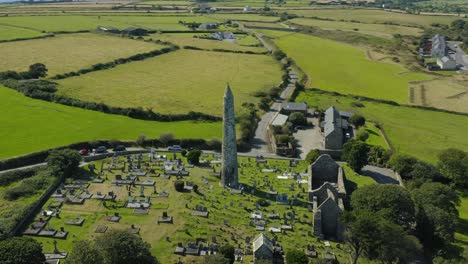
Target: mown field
375	16
30	125
55	23
9	32
71	52
243	17
189	39
377	30
343	68
445	93
417	132
186	228
178	82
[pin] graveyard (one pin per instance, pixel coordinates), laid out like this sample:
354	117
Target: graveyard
137	193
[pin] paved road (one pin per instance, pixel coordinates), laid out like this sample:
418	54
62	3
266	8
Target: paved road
460	55
380	175
260	142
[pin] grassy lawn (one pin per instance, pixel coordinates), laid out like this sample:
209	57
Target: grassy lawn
65	53
417	132
344	68
8	32
187	228
91	22
378	30
375	16
355	180
32	125
178	82
375	136
188	39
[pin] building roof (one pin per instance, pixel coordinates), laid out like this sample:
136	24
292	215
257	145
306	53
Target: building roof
446	59
280	120
438	45
333	120
291	106
261	240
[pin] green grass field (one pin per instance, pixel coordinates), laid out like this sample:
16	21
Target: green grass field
9	32
377	30
186	228
71	52
343	68
188	39
91	22
375	16
246	17
30	125
178	82
417	132
375	136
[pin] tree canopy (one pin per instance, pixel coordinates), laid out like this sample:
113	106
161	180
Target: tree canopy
357	120
193	157
297	257
64	161
355	152
392	202
21	250
85	252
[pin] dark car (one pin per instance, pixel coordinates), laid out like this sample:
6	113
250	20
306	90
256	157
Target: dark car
101	149
119	148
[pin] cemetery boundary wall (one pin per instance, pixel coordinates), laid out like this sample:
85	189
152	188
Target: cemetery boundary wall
36	207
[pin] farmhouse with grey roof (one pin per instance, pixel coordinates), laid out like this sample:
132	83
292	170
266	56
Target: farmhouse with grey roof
439	47
446	63
326	193
291	107
333	126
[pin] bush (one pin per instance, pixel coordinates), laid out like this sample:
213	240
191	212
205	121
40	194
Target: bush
362	134
16	175
297	119
263	202
183	153
193	157
179	185
312	156
357	120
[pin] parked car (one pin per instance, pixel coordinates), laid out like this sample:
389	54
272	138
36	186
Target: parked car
174	148
119	148
348	135
100	150
83	152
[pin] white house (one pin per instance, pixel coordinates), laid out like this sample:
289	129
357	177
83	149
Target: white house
446	63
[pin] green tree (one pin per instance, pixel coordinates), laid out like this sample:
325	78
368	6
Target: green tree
228	252
64	161
393	202
37	70
296	256
193	157
453	164
21	250
403	164
357	120
362	134
140	141
279	55
425	171
85	252
121	247
312	156
297	119
355	152
165	138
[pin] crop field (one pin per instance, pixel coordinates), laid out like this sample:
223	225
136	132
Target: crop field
228	218
189	39
91	22
30	125
71	52
243	17
417	132
178	82
343	68
8	32
443	93
375	16
377	30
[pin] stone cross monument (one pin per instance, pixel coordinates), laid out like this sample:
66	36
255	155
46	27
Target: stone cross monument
229	176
